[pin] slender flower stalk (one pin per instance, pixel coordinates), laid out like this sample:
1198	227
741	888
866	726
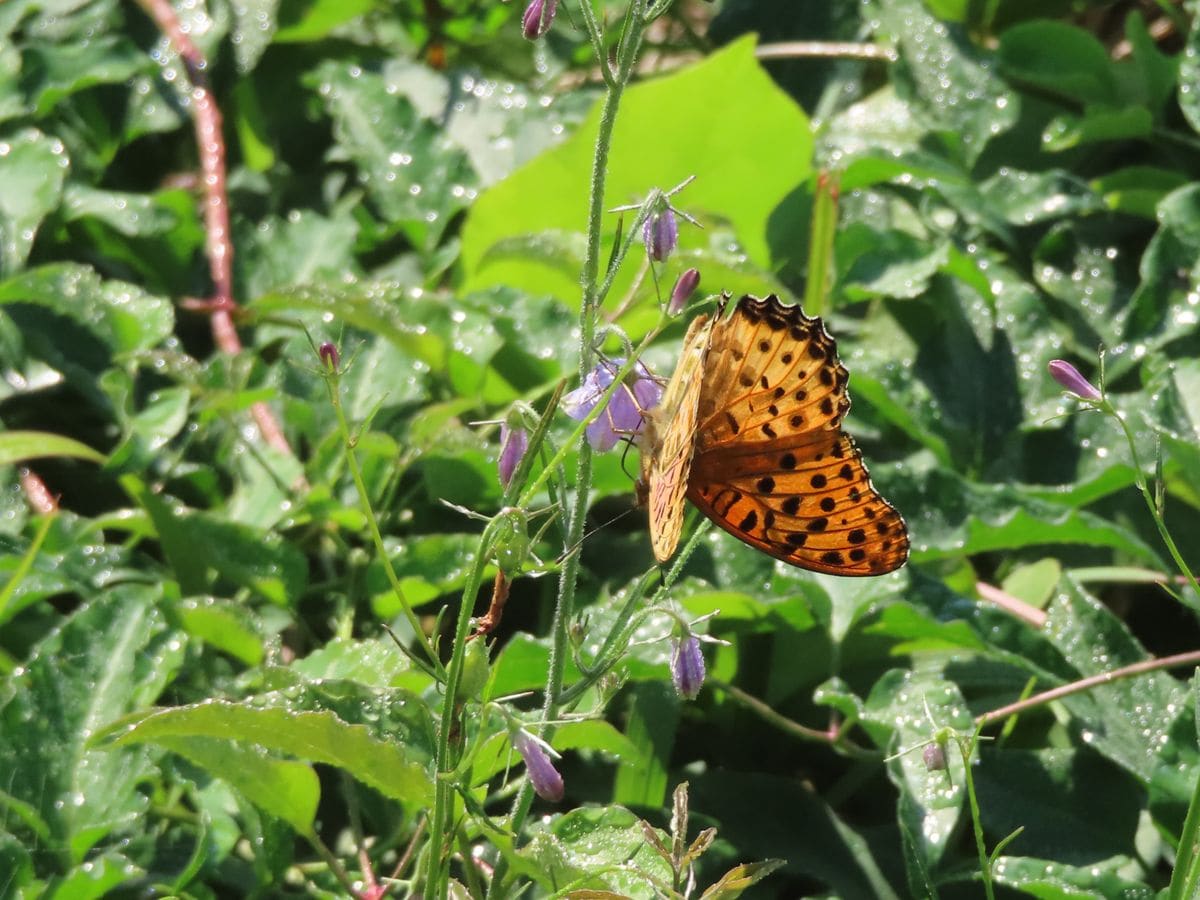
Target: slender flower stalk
616	77
1070	378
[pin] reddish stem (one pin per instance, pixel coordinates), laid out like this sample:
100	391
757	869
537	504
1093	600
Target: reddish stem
210	143
39	496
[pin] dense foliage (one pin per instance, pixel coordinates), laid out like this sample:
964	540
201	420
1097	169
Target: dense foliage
198	695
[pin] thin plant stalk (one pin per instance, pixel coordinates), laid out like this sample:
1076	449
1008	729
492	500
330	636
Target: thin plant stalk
564	609
332	383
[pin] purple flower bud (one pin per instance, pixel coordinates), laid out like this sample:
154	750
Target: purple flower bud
546	781
685	286
1068	376
538	17
330	358
623	417
514	441
660	234
935	757
687	667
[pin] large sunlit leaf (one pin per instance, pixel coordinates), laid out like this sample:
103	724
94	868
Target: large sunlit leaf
718	117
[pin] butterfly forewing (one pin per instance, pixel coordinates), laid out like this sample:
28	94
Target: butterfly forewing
771	465
668	441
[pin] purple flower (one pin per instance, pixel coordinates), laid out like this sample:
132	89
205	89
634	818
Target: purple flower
538	17
514	441
1068	376
546	781
329	356
660	234
623	417
685	286
687	666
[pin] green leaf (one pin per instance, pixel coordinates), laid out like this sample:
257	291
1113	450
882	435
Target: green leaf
1073	805
597	848
19	446
1095	641
1051	880
963	518
652	719
121	315
387	766
34	169
1058	58
945	79
98	877
53	72
903	712
699	118
1025	198
414	176
197	543
226	626
1137	190
874	263
1097	125
112	656
285	789
311	20
373	663
739	878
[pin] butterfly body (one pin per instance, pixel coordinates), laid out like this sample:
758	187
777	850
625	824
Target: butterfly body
749	430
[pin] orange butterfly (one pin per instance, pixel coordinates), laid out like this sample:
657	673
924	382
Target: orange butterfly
749	429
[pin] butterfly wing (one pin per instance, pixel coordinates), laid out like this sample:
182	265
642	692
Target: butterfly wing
667	442
771	465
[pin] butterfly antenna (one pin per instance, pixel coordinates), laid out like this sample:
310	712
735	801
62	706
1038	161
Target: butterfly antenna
579	543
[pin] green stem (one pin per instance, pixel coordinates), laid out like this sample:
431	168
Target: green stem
564	609
966	748
440	832
1149	498
435	666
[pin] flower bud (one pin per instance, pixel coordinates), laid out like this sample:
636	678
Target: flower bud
546	781
330	358
935	757
538	17
475	671
660	234
1068	376
685	286
514	441
687	667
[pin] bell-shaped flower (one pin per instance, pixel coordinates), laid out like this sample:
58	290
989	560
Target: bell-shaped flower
687	666
660	233
622	418
547	782
538	17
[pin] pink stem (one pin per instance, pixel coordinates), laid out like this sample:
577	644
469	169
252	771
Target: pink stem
211	145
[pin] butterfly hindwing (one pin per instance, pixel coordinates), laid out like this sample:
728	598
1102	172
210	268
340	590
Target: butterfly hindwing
806	500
